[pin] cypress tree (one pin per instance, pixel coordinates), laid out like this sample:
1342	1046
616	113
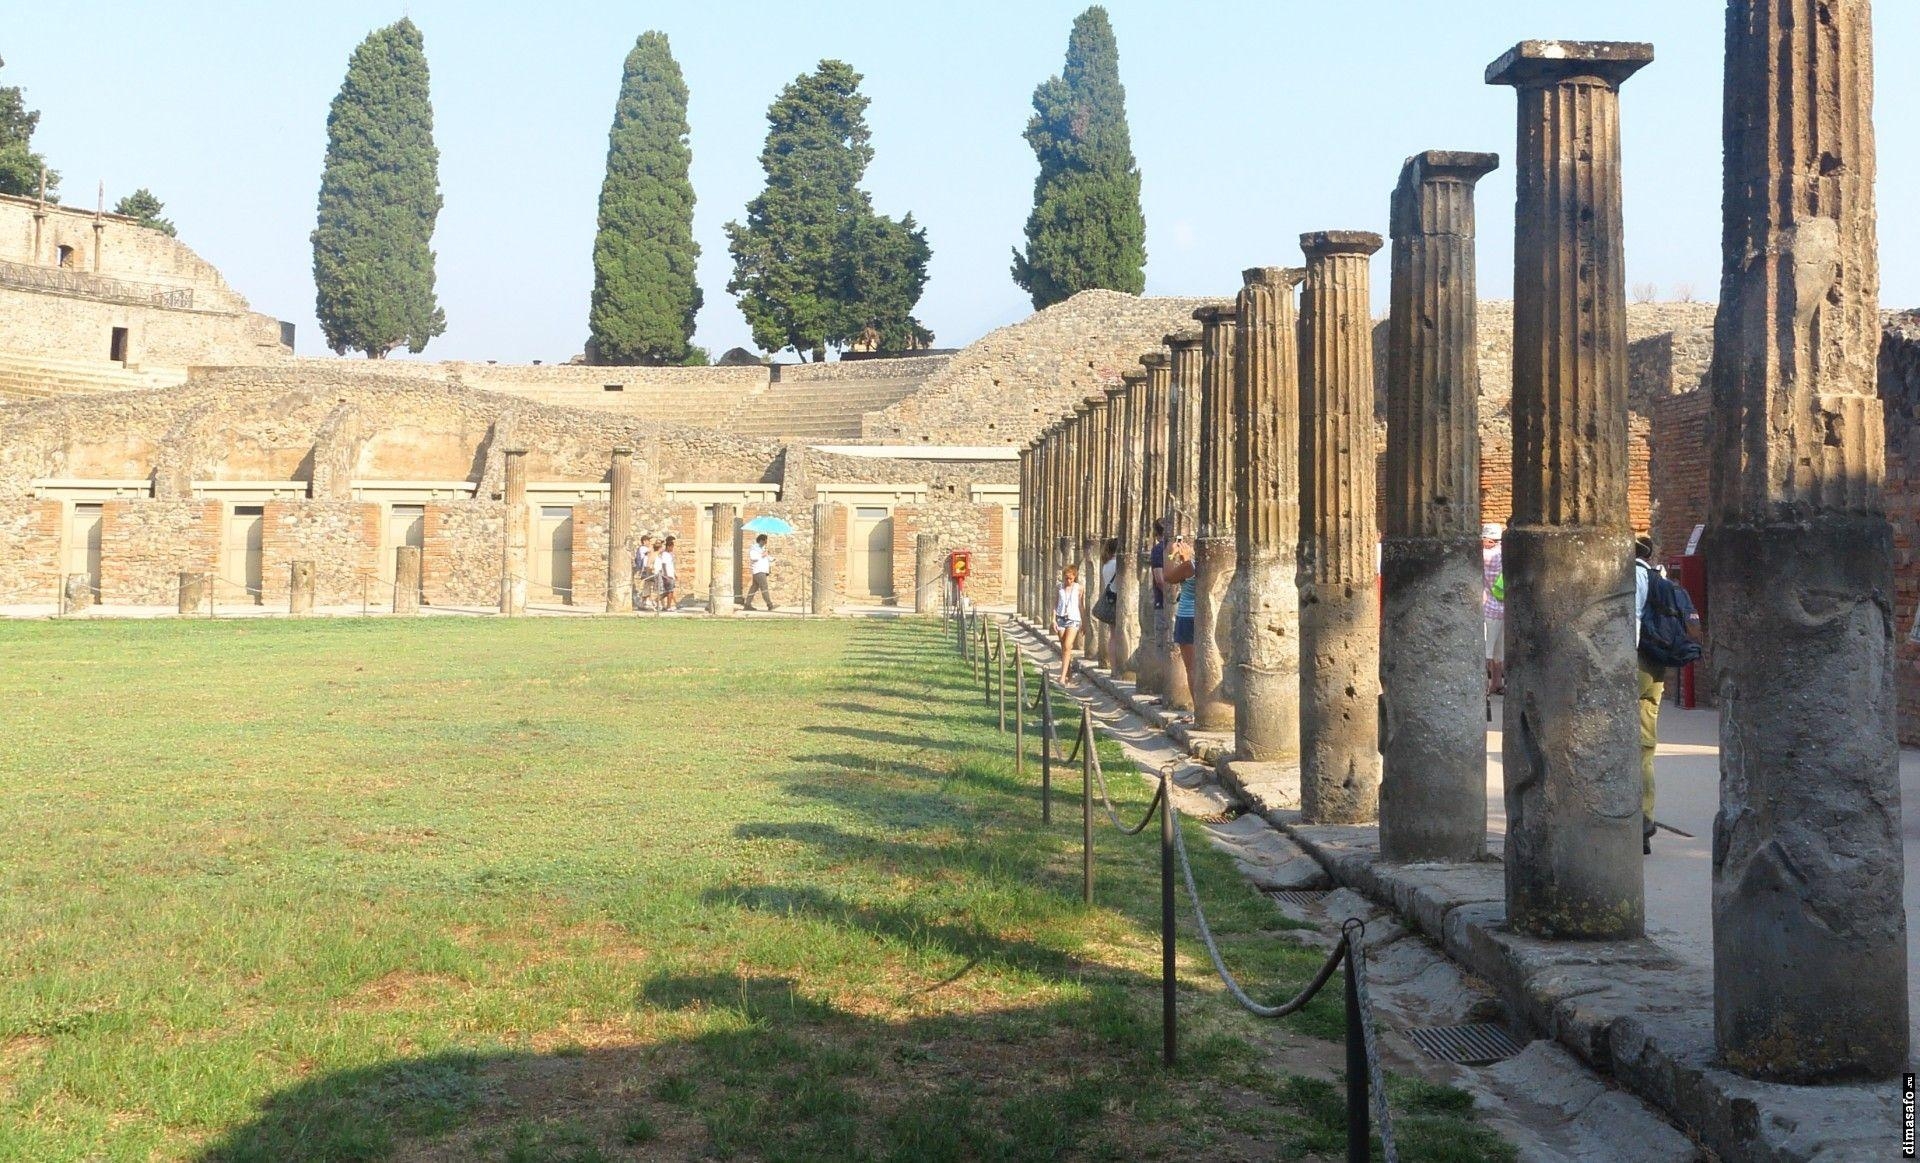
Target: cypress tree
644	290
815	266
379	197
1086	229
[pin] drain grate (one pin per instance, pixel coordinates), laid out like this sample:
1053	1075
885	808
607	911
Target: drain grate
1481	1044
1299	897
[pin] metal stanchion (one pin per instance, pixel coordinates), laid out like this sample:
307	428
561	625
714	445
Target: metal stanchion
1086	804
1168	1032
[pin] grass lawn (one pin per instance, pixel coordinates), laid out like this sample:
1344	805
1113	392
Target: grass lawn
596	889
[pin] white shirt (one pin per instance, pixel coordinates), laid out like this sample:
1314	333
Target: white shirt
666	565
1640	569
1107	569
1067	606
759	560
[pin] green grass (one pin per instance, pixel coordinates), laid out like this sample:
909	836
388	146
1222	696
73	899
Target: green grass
582	890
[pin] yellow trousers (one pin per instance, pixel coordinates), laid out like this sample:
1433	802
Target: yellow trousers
1651	689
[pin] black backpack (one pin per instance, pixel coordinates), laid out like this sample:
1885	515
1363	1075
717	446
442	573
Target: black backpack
1663	623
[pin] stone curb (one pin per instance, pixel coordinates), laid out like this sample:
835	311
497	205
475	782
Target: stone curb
1627	1009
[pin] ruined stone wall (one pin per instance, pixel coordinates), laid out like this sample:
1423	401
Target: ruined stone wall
1899	375
954	525
460	553
1010	384
127	250
1680	470
30	551
856	370
341	538
42	325
146	545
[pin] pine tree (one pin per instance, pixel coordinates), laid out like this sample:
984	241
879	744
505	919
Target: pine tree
815	266
146	209
20	167
1086	229
379	197
645	293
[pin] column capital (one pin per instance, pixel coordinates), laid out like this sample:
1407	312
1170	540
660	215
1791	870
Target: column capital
1155	359
1449	165
1283	278
513	452
1539	64
622	450
1216	314
1326	243
1186	337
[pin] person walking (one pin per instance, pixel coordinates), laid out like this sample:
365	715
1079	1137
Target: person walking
1493	608
760	565
1179	571
1156	562
1107	606
1666	632
668	579
1066	616
642	559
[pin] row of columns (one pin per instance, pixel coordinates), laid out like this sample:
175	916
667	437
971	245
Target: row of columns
1252	438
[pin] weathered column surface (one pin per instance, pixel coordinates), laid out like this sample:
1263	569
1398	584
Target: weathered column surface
1093	638
517	521
300	581
1183	487
1339	610
1020	556
1213	551
1151	659
1045	539
1433	779
824	599
406	579
620	531
1266	482
1573	863
928	578
193	593
1127	411
720	579
1809	940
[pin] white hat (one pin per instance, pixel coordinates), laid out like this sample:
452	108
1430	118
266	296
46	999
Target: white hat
1490	532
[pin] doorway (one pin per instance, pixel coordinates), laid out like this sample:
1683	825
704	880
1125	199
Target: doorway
870	549
552	552
117	346
406	526
83	546
239	579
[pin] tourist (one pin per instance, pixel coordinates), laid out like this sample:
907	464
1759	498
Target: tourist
1179	571
1157	561
1106	607
669	580
1493	608
1666	632
760	565
642	559
1066	616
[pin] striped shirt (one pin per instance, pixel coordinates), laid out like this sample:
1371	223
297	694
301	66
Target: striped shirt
1184	608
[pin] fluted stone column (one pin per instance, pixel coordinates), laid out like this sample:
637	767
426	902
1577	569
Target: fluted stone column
1183	486
300	588
824	599
1021	556
1266	474
1339	610
620	530
720	579
1126	413
518	521
1044	542
1433	780
1151	659
406	579
1572	748
1067	484
1093	638
1214	553
1809	940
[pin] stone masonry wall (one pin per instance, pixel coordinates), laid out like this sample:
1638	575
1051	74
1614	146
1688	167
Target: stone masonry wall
30	552
969	526
146	545
341	538
1900	397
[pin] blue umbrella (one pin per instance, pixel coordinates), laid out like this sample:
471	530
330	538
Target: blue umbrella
773	525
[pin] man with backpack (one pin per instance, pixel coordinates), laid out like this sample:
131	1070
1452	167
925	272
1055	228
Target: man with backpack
1666	633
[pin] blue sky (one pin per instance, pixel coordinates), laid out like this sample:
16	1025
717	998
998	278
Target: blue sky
1252	123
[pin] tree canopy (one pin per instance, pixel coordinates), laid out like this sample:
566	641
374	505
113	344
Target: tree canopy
379	199
815	266
1086	229
645	290
144	207
20	166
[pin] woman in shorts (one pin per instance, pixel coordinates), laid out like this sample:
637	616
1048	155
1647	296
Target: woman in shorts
1066	616
669	580
1179	571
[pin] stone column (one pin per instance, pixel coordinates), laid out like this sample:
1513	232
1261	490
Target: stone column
720	579
76	593
620	531
1573	863
406	579
1214	549
927	577
1339	608
299	588
1042	500
1126	412
1266	474
1092	525
1809	940
1433	789
1066	546
1183	485
1015	555
1151	659
193	593
824	599
518	522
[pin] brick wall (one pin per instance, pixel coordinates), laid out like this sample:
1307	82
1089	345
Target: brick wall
1679	470
341	538
30	552
954	525
146	545
460	553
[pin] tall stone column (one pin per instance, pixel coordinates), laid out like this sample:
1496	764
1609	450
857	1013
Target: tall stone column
518	521
1809	940
1151	659
1093	533
1019	555
825	601
1066	546
1183	486
1572	747
620	531
1266	477
1339	610
720	579
1433	783
1214	553
1126	412
1040	601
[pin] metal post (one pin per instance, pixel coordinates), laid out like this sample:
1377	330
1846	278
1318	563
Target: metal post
1358	1134
1019	721
1046	747
1086	804
1168	1034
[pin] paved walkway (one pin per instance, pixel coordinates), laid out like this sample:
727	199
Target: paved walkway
1680	871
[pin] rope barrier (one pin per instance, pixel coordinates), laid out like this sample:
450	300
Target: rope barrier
1159	798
